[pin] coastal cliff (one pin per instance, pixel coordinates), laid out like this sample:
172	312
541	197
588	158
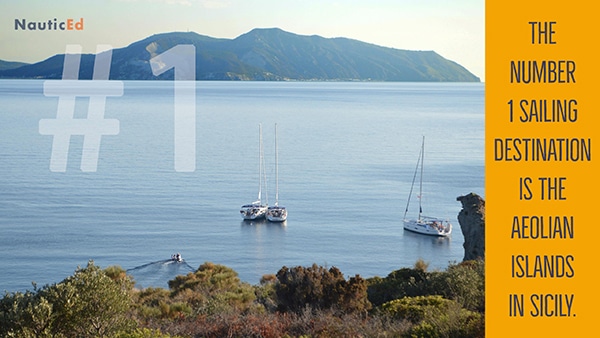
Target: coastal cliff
472	224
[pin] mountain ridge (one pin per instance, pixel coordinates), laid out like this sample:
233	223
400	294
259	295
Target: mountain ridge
4	65
268	54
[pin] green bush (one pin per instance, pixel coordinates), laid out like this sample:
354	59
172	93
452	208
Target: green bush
463	282
266	296
87	304
434	316
26	315
212	288
405	282
319	288
144	333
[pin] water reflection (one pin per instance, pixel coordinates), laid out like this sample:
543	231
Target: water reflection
265	245
432	249
263	221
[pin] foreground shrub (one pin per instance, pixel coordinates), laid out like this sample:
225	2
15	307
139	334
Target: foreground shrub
211	289
87	304
319	288
434	316
308	323
26	315
463	282
144	333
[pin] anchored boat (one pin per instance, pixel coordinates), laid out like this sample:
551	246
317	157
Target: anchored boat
256	209
426	225
276	213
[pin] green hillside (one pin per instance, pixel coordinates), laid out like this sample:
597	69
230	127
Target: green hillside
267	54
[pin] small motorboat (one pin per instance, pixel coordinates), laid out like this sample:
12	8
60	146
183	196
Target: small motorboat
176	257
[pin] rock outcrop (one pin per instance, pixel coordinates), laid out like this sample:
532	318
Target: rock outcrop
472	224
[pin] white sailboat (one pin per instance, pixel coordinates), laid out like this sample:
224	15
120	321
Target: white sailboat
424	224
276	213
257	210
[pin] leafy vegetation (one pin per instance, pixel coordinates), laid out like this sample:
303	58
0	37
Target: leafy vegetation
87	304
300	301
320	289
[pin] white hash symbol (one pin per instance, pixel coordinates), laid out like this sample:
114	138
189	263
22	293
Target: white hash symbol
94	126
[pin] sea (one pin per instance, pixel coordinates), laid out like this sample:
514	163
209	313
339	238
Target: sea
347	154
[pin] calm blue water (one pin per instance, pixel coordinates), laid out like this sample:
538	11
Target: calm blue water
347	152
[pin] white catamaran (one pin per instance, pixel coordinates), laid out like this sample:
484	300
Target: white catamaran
276	213
424	224
257	210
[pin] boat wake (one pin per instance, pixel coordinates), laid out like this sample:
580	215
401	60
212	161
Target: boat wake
159	273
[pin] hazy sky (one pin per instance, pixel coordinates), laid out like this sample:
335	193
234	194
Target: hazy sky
452	28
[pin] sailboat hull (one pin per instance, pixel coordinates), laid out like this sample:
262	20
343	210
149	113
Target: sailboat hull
432	227
276	214
253	211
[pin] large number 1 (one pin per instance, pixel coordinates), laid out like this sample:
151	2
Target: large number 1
183	59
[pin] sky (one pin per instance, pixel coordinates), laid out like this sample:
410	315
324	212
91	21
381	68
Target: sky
452	28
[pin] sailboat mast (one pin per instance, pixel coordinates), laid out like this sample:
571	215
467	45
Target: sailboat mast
259	161
276	169
412	185
263	168
421	180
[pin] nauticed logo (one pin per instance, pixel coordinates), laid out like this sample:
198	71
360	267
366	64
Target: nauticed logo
50	25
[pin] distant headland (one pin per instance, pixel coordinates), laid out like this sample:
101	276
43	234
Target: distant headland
263	55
